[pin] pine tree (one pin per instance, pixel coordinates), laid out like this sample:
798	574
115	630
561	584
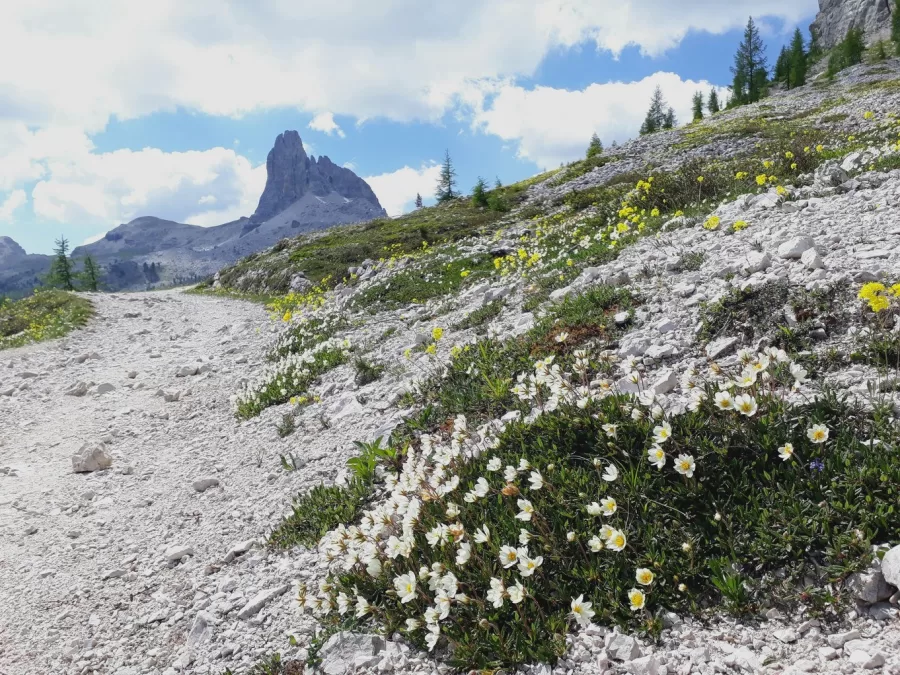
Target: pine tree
713	104
698	106
895	26
447	182
479	193
750	68
669	122
656	115
60	274
90	275
595	147
797	61
782	66
418	201
853	47
497	183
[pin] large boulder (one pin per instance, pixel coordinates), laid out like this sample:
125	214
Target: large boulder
91	457
890	566
345	652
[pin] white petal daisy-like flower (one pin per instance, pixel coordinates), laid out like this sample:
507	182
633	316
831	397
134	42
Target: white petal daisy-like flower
786	451
611	473
581	611
685	465
817	433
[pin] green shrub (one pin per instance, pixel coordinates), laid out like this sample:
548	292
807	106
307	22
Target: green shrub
45	315
481	316
509	539
321	509
366	371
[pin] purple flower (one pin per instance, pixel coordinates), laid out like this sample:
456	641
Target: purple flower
817	465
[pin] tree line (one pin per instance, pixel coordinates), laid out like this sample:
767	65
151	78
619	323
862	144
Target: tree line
63	275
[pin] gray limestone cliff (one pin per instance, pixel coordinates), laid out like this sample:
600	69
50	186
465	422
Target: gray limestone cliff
835	17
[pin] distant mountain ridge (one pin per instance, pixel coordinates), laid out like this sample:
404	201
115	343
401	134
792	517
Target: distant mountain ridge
302	194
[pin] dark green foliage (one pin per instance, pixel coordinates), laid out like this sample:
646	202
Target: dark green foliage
595	147
879	52
750	68
713	103
372	455
481	316
848	53
273	665
479	193
479	378
318	511
698	106
446	187
90	275
745	514
895	26
670	121
419	203
60	275
656	115
287	426
367	371
497	183
796	76
782	66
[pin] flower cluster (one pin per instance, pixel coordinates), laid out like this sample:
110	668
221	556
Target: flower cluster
880	297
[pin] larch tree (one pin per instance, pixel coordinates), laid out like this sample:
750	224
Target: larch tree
446	187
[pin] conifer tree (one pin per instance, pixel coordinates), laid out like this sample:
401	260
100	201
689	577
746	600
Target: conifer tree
782	66
497	183
418	201
750	68
595	147
90	275
669	122
656	115
895	26
853	47
447	181
60	274
713	104
698	106
479	193
797	61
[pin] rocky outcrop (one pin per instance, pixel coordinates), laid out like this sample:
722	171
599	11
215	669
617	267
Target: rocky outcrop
292	175
10	250
835	17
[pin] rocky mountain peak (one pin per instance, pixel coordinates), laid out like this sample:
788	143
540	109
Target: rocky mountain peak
292	174
835	17
10	250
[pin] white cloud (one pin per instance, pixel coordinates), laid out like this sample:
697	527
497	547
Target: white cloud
92	239
397	190
349	165
325	123
401	59
554	125
114	187
15	200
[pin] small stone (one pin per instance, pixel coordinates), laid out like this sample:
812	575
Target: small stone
186	371
91	457
666	326
204	484
720	347
77	389
811	259
758	262
807	625
828	653
806	666
646	665
787	635
105	388
867	661
621	318
238	550
622	647
176	553
112	574
31	529
838	639
665	382
795	247
260	600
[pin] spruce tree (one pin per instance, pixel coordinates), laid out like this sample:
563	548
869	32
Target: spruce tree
418	201
90	275
447	182
782	66
750	68
797	61
895	26
479	193
853	47
698	106
595	147
713	104
497	183
60	274
656	115
669	122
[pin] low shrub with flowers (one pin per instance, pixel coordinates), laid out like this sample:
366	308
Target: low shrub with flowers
45	315
306	331
881	339
289	377
493	542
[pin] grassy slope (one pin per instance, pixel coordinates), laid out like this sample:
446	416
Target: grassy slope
42	316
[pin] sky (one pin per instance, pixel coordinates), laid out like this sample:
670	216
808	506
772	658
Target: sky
111	111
